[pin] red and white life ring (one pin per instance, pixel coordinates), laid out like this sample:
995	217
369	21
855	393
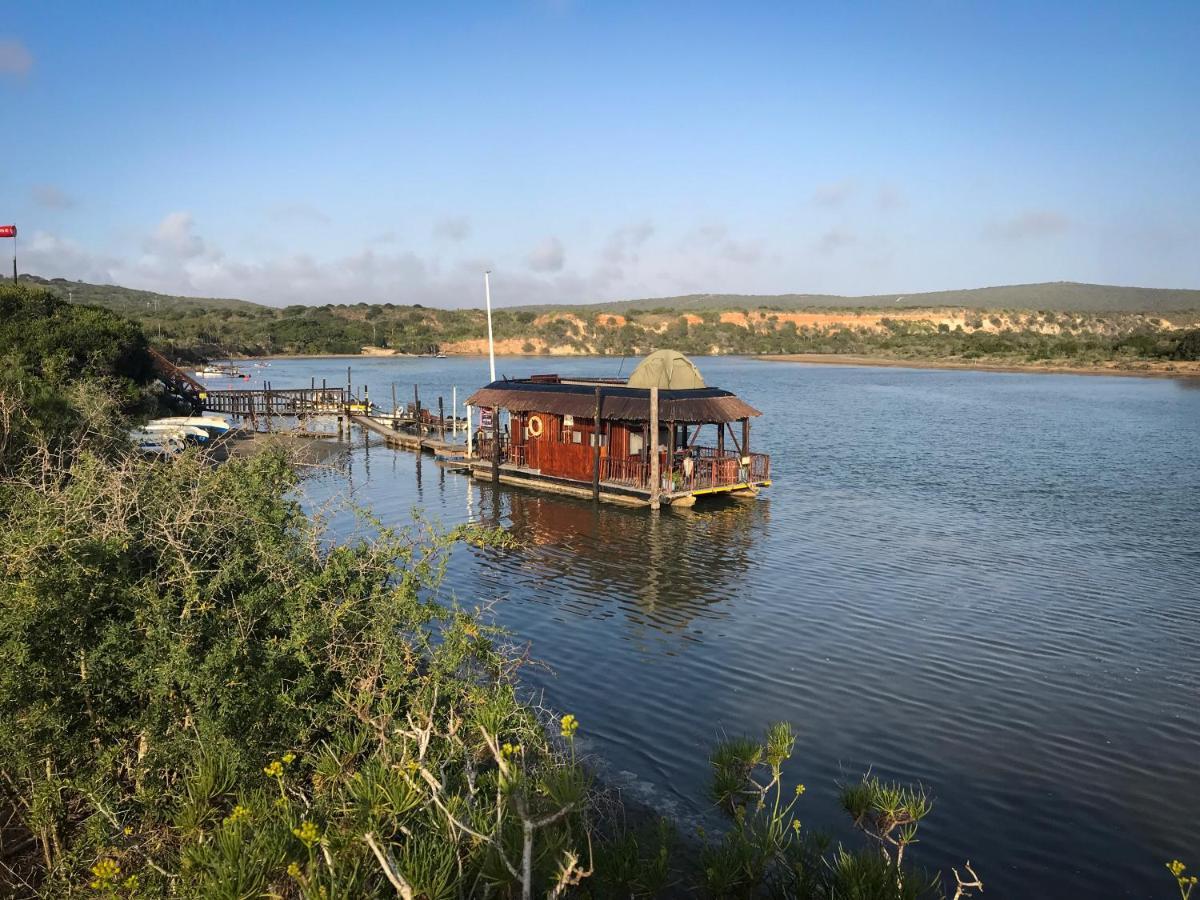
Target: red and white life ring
534	426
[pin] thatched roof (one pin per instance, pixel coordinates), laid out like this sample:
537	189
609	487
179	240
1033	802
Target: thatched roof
618	403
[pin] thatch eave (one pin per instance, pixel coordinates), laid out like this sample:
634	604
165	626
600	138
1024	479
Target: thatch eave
618	404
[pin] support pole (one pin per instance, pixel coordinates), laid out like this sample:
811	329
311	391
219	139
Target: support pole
470	435
745	437
596	450
394	407
454	410
441	420
655	477
495	445
417	409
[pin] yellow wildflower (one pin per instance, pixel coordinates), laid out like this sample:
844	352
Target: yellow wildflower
289	758
239	814
275	769
130	884
106	873
796	825
800	789
1176	867
509	750
293	870
569	725
308	833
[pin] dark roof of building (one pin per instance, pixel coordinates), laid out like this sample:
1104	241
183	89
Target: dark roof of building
618	402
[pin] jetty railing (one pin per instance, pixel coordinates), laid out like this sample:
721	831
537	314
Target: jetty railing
270	402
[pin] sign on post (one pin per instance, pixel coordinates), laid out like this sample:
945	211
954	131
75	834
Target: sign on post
8	231
485	417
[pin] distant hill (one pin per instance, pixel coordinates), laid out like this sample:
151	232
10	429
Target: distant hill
1056	295
131	301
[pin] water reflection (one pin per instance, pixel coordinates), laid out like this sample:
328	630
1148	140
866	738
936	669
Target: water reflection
662	571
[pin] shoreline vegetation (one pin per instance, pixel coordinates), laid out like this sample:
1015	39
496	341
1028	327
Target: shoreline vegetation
1135	368
205	696
1061	325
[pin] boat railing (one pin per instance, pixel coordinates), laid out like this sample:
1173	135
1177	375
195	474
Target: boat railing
630	471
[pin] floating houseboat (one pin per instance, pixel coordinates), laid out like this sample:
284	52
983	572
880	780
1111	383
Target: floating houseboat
660	436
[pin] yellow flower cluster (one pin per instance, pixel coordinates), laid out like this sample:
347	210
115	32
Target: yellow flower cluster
800	789
275	768
1185	881
569	725
293	870
106	872
510	750
240	814
308	833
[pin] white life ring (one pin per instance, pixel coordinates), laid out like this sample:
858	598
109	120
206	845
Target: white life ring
534	426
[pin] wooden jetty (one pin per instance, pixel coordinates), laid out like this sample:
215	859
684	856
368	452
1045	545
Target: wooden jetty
392	430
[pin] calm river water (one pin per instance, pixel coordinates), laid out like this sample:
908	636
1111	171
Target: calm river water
986	582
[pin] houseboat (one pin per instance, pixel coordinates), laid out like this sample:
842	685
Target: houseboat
660	436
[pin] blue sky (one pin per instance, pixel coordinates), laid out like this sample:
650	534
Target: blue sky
320	152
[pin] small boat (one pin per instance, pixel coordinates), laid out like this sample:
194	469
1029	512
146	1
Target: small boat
186	432
213	424
157	443
215	371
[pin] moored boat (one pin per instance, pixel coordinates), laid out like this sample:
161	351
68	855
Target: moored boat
605	439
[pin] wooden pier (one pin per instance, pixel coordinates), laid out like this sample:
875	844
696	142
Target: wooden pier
392	430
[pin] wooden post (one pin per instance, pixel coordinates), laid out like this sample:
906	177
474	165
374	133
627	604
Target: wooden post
495	445
394	423
655	477
745	437
596	450
417	408
441	420
470	435
349	393
720	439
454	410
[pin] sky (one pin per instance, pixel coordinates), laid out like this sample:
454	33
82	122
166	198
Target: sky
308	152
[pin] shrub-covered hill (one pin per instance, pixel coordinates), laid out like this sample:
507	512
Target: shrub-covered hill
1025	322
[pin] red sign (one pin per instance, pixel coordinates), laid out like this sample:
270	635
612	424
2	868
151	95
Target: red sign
485	417
8	231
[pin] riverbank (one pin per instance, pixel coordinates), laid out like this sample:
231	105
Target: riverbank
1134	368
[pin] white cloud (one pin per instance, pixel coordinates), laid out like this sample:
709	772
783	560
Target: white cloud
175	238
452	228
51	197
15	58
833	195
548	256
835	239
711	241
304	212
890	197
1034	223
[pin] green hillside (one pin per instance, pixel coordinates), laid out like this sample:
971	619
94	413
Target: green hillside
1057	295
1061	321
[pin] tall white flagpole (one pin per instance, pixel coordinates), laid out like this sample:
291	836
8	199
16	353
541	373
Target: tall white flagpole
487	292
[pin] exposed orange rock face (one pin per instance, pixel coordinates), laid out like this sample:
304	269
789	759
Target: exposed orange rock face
610	320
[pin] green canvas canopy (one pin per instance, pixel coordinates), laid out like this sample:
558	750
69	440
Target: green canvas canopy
666	370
